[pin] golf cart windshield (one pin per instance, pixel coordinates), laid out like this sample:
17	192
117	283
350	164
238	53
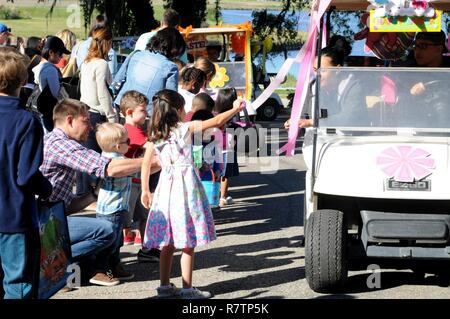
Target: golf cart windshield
384	99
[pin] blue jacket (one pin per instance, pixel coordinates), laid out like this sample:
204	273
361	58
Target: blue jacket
21	154
147	73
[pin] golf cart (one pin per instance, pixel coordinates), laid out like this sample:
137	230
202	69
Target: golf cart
378	177
230	48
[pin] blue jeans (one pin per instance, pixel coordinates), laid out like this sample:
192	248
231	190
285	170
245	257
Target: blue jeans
19	256
116	220
89	237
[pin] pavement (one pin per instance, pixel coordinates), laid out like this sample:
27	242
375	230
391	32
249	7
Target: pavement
258	252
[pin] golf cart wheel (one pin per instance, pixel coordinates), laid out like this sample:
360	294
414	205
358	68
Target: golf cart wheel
325	251
268	111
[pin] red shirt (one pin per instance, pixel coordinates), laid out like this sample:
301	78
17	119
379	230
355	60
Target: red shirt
138	138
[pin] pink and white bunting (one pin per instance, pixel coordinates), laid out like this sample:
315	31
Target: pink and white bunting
306	57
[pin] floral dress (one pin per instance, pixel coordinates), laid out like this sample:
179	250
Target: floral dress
180	214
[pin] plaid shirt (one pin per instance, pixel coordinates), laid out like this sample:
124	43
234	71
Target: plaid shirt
114	192
63	157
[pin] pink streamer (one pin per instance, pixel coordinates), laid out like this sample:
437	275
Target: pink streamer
307	55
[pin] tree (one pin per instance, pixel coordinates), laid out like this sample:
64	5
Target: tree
192	12
217	11
127	17
282	27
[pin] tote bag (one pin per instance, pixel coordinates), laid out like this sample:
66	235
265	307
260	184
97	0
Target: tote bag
56	253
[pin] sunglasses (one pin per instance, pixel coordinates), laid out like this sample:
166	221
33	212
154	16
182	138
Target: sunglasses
126	142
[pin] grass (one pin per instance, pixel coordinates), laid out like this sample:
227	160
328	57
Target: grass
34	20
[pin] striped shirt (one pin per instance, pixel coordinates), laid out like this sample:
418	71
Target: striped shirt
63	157
114	192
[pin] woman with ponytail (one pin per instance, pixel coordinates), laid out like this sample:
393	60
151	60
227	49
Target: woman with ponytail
95	78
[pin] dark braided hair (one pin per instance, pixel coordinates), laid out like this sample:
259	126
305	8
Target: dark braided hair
193	76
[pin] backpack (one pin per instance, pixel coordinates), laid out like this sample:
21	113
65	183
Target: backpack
44	102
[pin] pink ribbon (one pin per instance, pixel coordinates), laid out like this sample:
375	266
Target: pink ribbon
306	55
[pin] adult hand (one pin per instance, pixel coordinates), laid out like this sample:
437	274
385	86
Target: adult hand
305	123
418	89
301	123
146	199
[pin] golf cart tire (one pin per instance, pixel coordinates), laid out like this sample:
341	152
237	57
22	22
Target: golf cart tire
269	110
325	251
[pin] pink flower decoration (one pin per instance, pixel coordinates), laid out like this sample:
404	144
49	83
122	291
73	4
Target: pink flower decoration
405	163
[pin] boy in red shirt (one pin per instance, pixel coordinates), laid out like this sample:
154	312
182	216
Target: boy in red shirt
133	107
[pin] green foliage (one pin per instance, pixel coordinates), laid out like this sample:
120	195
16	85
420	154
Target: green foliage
282	27
10	14
217	11
127	17
192	12
340	23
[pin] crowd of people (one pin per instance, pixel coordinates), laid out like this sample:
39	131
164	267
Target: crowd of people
125	141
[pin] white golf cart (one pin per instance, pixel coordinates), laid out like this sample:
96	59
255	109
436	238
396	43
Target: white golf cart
378	180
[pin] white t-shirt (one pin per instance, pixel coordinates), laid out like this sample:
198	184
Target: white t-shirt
188	98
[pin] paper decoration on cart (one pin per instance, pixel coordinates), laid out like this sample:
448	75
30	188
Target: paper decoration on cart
406	163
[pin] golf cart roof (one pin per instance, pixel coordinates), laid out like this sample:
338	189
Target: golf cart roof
352	5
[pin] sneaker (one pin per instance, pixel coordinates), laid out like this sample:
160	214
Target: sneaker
194	293
66	289
129	239
138	240
103	279
223	202
167	292
121	274
149	256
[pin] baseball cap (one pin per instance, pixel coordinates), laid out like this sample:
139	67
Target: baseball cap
4	28
435	37
55	44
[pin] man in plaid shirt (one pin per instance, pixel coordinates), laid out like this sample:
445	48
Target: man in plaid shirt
63	157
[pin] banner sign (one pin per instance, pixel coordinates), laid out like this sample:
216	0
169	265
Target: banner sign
405	23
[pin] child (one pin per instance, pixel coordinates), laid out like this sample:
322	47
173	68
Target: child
177	221
114	194
20	180
201	101
209	165
224	102
191	81
133	106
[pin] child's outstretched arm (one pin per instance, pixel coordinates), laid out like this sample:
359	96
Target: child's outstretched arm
219	120
146	196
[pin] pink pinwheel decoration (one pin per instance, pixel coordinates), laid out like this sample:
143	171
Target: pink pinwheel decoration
406	163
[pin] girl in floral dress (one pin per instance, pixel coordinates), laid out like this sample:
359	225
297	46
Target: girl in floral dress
180	216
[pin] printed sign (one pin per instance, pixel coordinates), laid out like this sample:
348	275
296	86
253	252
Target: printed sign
405	23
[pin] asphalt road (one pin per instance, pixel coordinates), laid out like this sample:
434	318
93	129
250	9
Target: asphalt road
258	252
